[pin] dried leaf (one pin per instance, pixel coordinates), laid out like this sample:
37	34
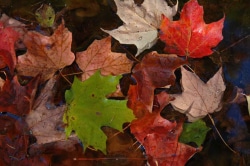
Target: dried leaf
140	22
198	98
190	36
46	55
98	56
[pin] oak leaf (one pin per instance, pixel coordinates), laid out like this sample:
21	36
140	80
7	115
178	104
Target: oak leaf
198	98
140	22
190	36
45	55
154	71
98	56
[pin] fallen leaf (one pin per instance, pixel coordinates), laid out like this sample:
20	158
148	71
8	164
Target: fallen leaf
89	110
8	37
17	99
17	26
162	146
46	124
6	60
98	56
154	71
2	82
194	132
159	137
140	22
45	55
248	103
122	147
190	36
198	98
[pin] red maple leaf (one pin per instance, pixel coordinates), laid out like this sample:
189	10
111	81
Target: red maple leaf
190	36
17	99
154	71
160	136
8	37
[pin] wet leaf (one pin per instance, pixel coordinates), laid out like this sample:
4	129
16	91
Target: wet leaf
17	99
8	37
140	22
194	132
45	15
191	36
89	109
198	98
45	122
98	56
154	71
46	55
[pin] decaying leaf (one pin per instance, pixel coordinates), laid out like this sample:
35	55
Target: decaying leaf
46	55
154	71
89	110
190	36
198	98
46	124
140	22
98	56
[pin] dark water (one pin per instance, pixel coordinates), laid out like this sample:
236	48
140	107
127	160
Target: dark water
84	18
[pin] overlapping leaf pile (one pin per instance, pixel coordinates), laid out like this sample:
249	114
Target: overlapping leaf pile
89	109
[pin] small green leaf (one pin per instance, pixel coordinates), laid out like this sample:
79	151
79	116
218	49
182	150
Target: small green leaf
89	109
194	132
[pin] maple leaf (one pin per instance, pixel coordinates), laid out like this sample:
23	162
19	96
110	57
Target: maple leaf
199	98
154	71
162	146
190	36
140	22
45	55
8	37
98	56
89	109
6	60
17	99
160	136
194	132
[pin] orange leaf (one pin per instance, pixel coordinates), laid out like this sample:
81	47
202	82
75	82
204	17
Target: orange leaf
46	55
190	36
98	56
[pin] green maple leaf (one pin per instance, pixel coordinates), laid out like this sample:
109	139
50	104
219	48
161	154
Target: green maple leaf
89	109
194	132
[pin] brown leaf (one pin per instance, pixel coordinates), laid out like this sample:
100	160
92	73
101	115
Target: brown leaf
98	56
46	55
199	98
154	71
46	125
